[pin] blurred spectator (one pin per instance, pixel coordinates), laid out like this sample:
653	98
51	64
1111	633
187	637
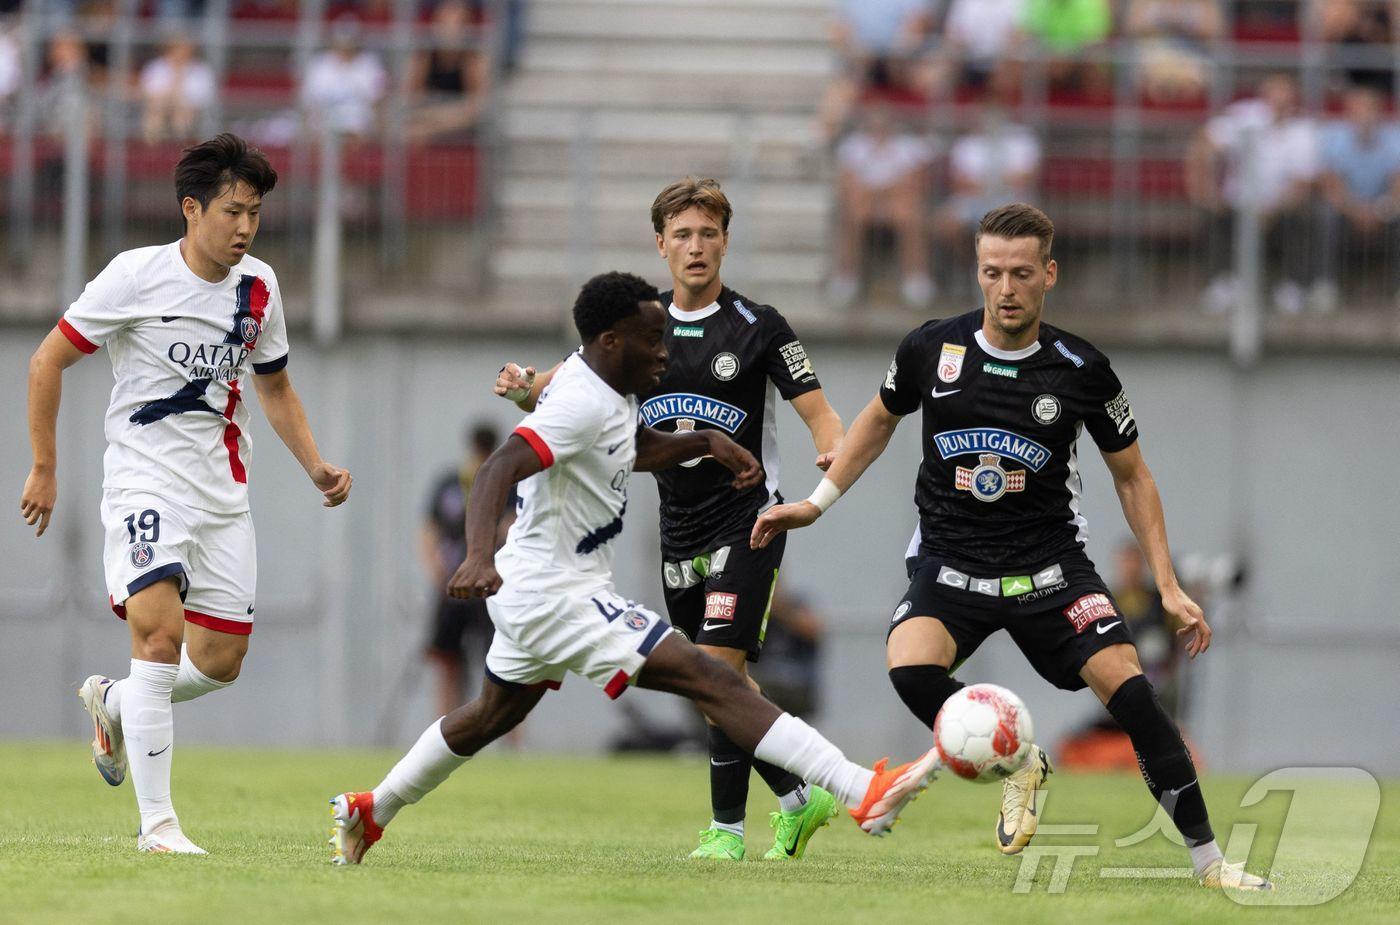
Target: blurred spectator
1360	24
1173	46
177	10
448	83
461	631
978	35
789	672
996	164
344	85
882	46
1280	147
11	73
883	182
175	88
1361	189
1064	29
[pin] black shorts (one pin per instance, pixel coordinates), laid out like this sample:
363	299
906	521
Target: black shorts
722	598
1058	615
459	625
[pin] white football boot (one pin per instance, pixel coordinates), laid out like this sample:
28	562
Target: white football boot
168	839
1220	875
1019	812
108	747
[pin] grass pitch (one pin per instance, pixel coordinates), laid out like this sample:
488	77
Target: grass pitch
533	838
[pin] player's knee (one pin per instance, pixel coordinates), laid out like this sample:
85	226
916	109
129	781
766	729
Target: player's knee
157	644
924	689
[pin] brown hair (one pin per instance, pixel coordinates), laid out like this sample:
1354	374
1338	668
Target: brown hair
1019	220
691	192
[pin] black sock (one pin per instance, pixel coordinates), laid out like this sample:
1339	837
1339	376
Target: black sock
924	688
729	778
1162	757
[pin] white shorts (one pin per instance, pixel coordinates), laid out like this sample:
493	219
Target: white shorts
542	635
149	538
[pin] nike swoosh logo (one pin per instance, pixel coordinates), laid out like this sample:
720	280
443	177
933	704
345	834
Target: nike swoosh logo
169	318
250	608
1002	836
937	394
723	764
615	448
161	752
1101	628
711	625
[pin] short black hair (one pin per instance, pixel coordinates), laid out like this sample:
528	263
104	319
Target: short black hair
608	298
209	168
483	437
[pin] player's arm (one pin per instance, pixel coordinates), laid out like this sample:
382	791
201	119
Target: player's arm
1142	507
870	433
55	354
657	450
287	416
824	423
514	461
523	385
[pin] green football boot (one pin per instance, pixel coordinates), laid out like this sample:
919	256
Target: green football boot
719	845
792	831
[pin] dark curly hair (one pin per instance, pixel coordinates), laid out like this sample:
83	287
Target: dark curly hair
209	168
608	298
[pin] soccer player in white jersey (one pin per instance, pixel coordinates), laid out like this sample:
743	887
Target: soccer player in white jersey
183	324
550	591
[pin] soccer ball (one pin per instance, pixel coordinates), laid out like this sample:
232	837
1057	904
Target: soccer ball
983	733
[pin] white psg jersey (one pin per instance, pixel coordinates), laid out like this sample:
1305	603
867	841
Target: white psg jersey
585	434
180	347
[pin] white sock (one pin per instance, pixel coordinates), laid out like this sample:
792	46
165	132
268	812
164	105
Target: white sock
428	763
113	700
149	729
791	802
1203	855
733	828
191	682
794	746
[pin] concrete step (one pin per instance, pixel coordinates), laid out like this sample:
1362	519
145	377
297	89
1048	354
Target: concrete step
561	123
723	91
620	161
793	197
688	21
701	58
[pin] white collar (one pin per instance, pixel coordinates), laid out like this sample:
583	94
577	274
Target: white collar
1000	354
697	315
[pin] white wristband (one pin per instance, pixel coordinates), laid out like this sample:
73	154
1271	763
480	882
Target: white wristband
825	495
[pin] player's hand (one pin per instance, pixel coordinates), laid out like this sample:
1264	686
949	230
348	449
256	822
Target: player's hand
782	517
514	383
39	496
1193	629
334	483
824	460
730	455
475	577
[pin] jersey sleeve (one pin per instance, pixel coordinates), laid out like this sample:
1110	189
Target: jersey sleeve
270	354
563	424
101	311
900	390
787	363
1109	416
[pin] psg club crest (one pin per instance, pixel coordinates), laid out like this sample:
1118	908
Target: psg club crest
989	481
634	621
249	329
142	555
950	362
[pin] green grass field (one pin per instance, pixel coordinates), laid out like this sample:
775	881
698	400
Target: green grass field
536	839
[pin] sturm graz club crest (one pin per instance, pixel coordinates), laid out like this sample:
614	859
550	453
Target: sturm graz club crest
142	555
248	329
685	426
989	481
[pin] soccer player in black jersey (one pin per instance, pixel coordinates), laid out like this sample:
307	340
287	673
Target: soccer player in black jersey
1000	543
728	357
